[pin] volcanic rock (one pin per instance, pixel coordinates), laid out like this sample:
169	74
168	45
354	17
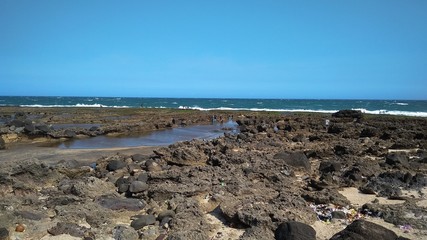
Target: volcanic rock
129	204
361	229
114	165
296	159
137	186
348	114
124	233
396	159
68	228
294	231
142	221
4	233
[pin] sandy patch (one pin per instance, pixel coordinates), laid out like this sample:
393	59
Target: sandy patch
358	199
220	228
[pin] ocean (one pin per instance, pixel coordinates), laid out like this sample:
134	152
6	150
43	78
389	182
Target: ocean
390	107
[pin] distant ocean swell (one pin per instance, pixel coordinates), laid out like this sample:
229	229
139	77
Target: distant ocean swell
389	107
402	113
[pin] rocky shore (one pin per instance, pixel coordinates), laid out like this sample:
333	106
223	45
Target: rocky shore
283	176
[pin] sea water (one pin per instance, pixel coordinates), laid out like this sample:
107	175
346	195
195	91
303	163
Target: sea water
391	107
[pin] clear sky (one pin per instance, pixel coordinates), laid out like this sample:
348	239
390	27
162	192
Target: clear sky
345	49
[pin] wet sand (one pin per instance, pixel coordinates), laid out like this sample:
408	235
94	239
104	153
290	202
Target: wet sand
24	152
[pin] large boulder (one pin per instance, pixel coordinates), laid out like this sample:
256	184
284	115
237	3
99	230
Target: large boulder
295	231
397	159
296	159
361	229
348	114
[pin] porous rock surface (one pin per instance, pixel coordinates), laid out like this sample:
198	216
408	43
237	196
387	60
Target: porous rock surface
261	180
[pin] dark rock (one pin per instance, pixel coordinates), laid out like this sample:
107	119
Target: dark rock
385	136
20	115
4	233
43	128
124	233
2	143
335	129
138	157
69	133
68	228
298	138
29	215
348	114
166	213
251	217
366	189
311	154
397	159
327	167
368	132
114	165
142	177
403	144
143	221
138	186
295	231
122	180
361	229
262	128
34	169
165	221
123	187
129	204
326	196
313	138
297	159
94	128
153	166
340	150
30	128
61	200
17	123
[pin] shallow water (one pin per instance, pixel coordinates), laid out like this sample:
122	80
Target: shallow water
157	138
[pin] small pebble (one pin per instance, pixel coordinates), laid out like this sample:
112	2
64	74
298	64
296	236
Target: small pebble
20	228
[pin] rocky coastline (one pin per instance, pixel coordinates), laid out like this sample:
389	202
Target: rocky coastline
282	176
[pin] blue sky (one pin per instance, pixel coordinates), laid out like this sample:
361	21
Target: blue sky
346	49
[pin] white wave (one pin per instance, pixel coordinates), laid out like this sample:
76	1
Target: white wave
402	104
257	109
97	105
386	112
399	113
156	107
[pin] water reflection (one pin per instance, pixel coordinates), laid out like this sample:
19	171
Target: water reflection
157	138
